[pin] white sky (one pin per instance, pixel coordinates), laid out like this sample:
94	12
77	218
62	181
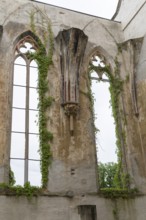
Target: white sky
101	8
105	138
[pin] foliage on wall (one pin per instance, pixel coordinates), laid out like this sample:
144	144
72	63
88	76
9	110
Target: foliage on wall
26	190
120	180
44	61
107	172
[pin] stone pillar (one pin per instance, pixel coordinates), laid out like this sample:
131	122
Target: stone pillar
73	169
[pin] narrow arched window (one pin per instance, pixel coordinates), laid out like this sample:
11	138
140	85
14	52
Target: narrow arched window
24	153
104	121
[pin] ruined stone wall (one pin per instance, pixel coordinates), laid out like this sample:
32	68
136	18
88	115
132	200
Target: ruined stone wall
131	15
61	208
133	112
72	173
68	151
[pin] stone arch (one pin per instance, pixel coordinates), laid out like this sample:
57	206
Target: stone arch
109	60
31	36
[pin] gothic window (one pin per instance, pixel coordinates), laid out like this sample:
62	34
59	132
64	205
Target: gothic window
24	155
104	122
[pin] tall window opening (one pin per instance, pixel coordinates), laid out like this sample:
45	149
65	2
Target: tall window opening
104	121
24	152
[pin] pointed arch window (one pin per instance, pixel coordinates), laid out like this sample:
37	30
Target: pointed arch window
24	155
100	83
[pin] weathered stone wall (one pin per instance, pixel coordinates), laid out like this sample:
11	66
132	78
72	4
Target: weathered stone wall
62	208
72	174
132	111
69	152
131	15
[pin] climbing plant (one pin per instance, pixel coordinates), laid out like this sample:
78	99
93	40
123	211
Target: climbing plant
107	173
26	190
120	179
44	61
11	177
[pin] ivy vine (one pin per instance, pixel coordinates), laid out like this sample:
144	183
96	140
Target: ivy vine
26	190
118	193
44	61
121	179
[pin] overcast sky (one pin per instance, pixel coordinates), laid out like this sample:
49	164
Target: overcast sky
101	8
105	138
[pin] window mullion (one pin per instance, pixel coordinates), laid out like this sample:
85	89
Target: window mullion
27	125
24	156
